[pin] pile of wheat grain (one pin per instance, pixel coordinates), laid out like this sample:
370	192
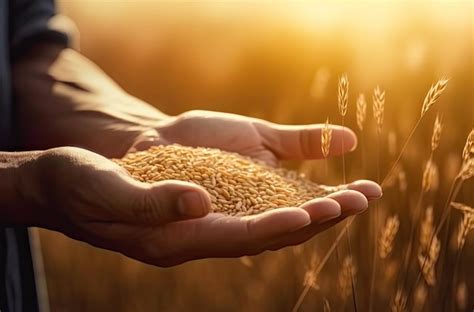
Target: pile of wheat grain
238	185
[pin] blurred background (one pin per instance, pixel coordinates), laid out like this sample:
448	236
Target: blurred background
279	61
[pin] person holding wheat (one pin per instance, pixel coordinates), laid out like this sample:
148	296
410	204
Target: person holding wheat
66	117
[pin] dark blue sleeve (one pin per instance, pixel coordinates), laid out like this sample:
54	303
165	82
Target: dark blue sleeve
31	21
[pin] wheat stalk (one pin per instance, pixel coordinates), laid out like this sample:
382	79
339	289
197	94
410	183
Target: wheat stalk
326	306
388	235
461	296
343	94
467	223
392	143
378	107
428	175
428	261
441	85
437	129
361	113
467	168
433	94
378	111
343	99
399	302
326	136
345	277
426	229
402	181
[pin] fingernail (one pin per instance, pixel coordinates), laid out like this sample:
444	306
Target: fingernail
329	213
322	209
375	197
190	204
301	225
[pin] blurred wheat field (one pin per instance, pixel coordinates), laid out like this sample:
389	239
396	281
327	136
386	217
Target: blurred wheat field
282	62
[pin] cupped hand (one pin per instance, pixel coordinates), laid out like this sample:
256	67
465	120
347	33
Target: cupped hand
252	137
92	199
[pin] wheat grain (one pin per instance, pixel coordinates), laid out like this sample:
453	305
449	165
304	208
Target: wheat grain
378	107
437	129
237	185
361	113
433	94
343	94
388	235
326	136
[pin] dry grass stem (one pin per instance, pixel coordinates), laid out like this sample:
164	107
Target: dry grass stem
433	94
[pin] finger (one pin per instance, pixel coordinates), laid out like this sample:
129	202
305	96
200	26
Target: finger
146	140
161	202
304	142
321	210
351	202
218	235
370	189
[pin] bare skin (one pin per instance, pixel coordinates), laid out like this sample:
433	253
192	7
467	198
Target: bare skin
88	197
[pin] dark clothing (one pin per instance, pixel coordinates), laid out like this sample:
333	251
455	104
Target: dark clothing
22	22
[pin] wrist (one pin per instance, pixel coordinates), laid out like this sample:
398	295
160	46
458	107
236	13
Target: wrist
15	209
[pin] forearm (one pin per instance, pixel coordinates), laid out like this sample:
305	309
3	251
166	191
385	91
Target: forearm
14	208
64	99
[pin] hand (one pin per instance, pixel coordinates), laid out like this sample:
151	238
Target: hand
90	198
271	143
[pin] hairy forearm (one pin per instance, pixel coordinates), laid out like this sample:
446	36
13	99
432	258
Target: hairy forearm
64	99
14	208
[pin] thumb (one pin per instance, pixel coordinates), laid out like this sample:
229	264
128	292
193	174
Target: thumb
164	202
